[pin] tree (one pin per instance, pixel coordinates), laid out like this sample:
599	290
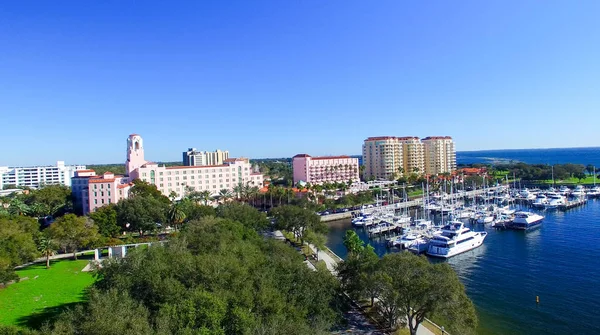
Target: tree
17	244
47	248
145	189
51	199
352	242
205	196
176	215
413	287
579	175
225	195
73	232
105	219
590	169
247	215
141	213
298	220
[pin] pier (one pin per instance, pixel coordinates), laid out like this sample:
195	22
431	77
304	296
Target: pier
573	203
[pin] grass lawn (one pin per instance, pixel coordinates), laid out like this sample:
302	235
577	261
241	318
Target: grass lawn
573	181
29	302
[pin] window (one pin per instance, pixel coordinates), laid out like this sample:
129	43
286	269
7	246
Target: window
95	201
169	185
161	173
102	193
176	178
109	201
95	194
95	186
102	201
109	193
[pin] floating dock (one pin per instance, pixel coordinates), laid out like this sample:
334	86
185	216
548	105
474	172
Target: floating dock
573	204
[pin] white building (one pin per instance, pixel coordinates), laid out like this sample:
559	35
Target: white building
35	176
192	157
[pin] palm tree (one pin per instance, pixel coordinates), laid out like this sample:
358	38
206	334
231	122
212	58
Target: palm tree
176	215
205	196
225	195
17	207
238	190
47	248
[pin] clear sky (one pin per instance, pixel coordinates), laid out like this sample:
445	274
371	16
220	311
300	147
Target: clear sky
277	78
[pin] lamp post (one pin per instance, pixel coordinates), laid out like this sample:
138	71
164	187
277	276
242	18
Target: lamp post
442	327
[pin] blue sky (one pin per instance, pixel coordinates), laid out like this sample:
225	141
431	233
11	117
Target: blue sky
277	78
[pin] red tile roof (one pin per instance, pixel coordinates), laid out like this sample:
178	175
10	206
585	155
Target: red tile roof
100	180
301	155
88	170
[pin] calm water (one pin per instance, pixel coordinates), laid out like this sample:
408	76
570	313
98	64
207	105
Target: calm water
532	156
560	262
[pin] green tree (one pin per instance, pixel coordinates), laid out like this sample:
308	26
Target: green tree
141	213
47	248
413	287
298	220
352	242
245	214
17	244
50	200
105	218
73	232
145	189
176	216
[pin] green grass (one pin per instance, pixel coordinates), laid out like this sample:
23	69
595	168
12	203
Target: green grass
573	181
32	301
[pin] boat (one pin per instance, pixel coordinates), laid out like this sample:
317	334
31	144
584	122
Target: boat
555	200
594	192
485	218
563	190
540	201
404	241
526	220
419	245
382	227
578	192
455	239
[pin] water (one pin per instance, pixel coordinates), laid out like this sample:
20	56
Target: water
559	262
532	156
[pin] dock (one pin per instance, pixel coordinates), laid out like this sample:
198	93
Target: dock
573	203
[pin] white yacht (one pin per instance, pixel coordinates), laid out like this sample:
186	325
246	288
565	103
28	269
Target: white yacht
485	217
564	190
404	241
555	200
526	220
578	192
455	239
540	201
594	192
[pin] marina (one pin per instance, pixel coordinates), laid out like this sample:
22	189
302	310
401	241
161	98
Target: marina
530	263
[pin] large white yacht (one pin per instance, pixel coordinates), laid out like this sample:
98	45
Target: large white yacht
526	220
564	190
555	200
455	239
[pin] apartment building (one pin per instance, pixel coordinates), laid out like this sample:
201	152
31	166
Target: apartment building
383	157
36	176
388	157
440	154
193	157
328	169
413	155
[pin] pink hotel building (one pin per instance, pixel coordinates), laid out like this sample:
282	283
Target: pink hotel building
329	169
91	191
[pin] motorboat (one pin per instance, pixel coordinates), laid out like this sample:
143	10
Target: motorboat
578	192
555	200
404	241
540	201
485	217
594	192
526	220
382	227
455	239
419	245
401	219
563	190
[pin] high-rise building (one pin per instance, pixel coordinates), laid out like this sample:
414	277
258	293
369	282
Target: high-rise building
36	176
192	157
440	154
329	169
382	157
413	155
388	157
